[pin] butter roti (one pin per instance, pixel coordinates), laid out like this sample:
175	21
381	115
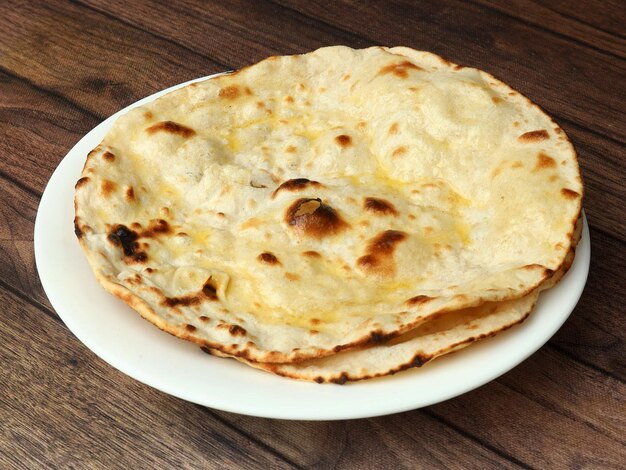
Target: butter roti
309	204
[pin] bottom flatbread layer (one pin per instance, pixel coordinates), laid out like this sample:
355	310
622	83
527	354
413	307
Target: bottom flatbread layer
447	333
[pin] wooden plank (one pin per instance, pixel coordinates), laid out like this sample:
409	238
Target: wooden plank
573	391
61	406
94	61
37	131
551	411
554	413
596	330
568	80
561	82
406	440
221	30
605	15
562	18
17	217
602	165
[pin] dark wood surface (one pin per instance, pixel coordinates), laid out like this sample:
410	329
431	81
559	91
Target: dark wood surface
67	65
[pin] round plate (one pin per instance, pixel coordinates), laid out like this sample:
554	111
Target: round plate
123	339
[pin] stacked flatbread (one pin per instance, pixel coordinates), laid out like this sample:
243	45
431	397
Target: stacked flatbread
333	216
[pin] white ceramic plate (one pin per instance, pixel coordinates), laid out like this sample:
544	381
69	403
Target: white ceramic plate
123	339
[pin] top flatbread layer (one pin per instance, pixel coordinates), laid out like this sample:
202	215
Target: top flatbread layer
307	204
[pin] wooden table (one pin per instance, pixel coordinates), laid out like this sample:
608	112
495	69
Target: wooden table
67	65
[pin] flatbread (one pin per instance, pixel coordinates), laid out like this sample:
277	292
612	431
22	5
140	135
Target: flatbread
309	204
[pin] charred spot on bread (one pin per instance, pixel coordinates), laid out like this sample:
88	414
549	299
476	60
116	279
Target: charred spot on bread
171	127
156	227
534	136
569	193
311	217
268	258
379	206
77	230
296	184
236	330
544	161
125	238
82	182
130	194
343	140
230	92
378	257
209	290
399	69
108	157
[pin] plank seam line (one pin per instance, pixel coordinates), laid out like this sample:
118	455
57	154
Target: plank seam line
250	437
55	94
604	232
573	357
326	23
578	20
554	409
20	185
549	31
429	412
106	14
19	294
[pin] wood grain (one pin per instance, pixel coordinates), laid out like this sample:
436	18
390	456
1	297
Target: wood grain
47	42
406	440
603	15
546	403
542	436
38	128
65	66
594	333
572	21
